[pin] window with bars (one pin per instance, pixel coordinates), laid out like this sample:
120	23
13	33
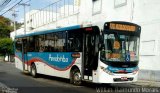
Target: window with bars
96	7
119	3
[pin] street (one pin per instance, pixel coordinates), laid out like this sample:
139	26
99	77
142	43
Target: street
23	83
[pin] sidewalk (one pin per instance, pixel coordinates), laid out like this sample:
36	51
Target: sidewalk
145	83
8	62
2	86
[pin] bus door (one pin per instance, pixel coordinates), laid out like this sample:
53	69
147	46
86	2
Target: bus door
24	54
90	55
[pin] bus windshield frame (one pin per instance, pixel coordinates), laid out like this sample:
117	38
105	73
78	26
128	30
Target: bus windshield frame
120	48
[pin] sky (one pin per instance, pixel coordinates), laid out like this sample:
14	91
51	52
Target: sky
34	4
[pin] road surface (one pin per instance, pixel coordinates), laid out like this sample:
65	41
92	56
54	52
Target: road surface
19	82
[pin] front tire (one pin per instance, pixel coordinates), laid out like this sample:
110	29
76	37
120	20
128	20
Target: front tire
33	71
76	78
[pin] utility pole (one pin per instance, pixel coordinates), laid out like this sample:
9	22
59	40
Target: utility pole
24	5
14	20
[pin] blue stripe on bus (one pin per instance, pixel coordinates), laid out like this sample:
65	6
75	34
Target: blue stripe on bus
58	60
117	69
50	31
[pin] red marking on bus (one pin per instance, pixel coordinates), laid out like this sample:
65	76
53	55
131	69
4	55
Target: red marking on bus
40	60
76	55
89	29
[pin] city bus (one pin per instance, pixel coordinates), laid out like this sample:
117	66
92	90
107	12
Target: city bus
100	55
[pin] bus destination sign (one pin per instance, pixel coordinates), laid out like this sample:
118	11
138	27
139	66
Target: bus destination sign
122	27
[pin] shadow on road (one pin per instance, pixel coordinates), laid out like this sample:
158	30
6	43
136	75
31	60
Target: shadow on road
67	81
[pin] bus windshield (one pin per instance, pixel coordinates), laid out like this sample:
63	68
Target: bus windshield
120	48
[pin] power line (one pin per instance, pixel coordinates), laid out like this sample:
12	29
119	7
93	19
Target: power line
12	7
10	4
4	4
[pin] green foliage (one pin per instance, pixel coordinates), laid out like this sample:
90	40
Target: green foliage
6	46
18	25
5	27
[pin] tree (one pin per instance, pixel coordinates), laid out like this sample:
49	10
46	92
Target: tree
18	25
6	46
5	27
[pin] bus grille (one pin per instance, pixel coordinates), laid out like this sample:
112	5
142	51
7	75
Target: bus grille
122	79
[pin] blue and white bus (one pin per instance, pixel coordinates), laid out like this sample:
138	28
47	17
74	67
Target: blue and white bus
108	55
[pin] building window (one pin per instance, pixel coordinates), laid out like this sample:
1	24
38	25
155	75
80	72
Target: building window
149	48
97	7
119	3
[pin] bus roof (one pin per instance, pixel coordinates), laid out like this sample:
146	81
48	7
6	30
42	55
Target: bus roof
50	31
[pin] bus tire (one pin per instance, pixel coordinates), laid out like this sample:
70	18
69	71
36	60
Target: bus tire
33	71
76	78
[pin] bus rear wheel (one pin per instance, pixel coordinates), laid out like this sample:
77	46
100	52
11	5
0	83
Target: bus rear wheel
76	77
33	71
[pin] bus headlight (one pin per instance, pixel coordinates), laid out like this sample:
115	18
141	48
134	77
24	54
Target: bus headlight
106	70
135	71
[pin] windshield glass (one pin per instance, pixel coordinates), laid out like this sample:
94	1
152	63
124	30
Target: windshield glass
120	48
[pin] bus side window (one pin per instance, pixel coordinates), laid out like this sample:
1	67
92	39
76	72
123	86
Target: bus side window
36	44
40	40
41	49
60	42
31	44
75	41
18	45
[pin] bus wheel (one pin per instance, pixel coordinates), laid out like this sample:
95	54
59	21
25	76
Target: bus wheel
33	71
76	77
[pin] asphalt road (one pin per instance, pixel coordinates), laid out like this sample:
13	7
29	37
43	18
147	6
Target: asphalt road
23	83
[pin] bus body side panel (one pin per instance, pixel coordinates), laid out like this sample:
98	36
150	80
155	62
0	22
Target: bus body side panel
54	63
96	73
18	60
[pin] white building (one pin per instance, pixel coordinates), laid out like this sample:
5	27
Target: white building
145	13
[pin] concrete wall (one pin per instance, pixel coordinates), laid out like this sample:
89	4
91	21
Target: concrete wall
146	13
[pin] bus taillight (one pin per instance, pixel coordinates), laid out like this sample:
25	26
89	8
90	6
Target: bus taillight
76	55
89	29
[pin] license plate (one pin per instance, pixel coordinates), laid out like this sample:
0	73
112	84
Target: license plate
124	78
